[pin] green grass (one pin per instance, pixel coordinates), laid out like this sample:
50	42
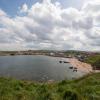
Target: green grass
85	88
94	60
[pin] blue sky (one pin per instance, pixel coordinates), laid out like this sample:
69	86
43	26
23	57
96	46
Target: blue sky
50	24
11	6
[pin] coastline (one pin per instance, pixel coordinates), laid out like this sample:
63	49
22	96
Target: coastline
81	66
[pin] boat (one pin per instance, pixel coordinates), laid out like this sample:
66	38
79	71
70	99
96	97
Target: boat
75	67
60	61
66	62
75	70
71	67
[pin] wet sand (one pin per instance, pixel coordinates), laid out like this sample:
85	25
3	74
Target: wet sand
81	66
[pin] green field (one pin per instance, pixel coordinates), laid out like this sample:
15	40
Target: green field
85	88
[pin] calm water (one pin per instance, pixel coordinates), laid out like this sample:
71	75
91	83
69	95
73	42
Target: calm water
37	68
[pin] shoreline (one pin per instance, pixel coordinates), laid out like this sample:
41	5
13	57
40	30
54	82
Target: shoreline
81	66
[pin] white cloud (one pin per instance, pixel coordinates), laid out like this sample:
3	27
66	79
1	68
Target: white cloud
24	8
49	26
2	13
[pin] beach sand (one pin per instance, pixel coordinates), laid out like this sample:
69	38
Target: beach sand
81	66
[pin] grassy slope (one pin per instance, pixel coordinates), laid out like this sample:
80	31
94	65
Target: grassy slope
86	88
94	60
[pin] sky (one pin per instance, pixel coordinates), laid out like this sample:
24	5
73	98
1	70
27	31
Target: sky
50	25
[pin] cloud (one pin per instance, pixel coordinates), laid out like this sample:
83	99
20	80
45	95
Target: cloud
24	8
2	13
48	25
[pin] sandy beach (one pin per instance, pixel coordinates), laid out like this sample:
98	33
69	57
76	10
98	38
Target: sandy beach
81	66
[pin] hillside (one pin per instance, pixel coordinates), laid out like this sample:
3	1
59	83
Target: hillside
94	61
85	88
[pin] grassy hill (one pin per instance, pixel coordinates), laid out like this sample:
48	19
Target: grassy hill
85	88
94	61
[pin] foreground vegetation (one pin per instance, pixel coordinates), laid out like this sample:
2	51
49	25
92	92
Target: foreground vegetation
85	88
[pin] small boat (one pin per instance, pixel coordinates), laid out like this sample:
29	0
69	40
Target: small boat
71	67
66	62
75	67
75	70
60	61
